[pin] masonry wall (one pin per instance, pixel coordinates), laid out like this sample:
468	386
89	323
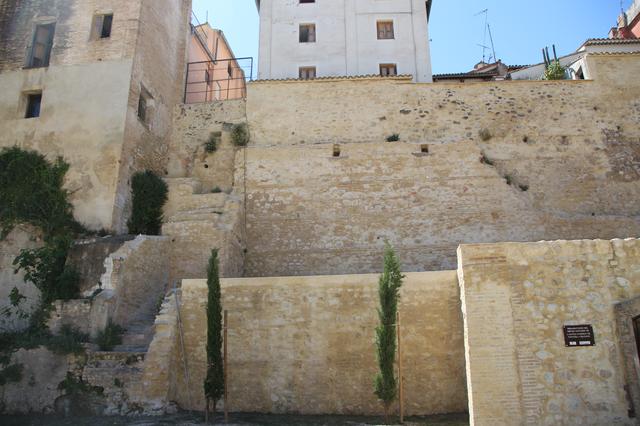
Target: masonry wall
158	67
84	93
516	298
307	344
506	161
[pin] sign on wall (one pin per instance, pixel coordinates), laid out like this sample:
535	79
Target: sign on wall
579	335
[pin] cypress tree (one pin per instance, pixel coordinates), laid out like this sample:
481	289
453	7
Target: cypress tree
386	387
214	382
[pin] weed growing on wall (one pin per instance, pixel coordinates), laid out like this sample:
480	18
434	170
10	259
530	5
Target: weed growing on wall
240	134
149	196
110	337
214	382
211	145
31	192
386	386
393	138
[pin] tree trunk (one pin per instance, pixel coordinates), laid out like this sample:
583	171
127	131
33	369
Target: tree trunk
206	412
386	413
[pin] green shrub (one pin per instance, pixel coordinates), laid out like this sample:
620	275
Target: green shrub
393	138
11	374
240	134
68	341
45	268
555	71
216	190
110	337
149	196
31	192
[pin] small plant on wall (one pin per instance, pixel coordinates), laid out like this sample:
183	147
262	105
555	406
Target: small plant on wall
149	196
211	145
240	134
214	382
386	385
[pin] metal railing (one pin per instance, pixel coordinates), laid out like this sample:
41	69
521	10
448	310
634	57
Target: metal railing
218	80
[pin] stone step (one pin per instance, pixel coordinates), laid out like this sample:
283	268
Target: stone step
184	186
194	202
197	215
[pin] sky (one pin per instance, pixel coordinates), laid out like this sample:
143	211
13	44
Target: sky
520	28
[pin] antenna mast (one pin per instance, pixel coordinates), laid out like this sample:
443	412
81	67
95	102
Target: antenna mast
487	30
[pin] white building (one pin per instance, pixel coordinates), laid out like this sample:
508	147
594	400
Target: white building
322	38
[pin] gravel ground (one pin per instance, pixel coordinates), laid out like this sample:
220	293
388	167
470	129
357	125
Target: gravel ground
234	419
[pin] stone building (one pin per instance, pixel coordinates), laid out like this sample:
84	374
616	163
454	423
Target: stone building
94	81
324	38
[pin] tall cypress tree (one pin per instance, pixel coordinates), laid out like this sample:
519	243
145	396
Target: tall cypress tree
214	382
386	387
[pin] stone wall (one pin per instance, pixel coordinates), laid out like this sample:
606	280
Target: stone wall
516	298
138	275
506	161
14	318
307	344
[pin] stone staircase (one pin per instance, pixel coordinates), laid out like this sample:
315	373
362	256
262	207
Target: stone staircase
197	221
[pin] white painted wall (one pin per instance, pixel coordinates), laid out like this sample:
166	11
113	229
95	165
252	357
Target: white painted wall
346	38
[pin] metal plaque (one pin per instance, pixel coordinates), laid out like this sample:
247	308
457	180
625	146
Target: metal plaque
579	335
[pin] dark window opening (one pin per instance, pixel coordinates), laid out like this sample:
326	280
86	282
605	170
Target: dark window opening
230	70
336	150
424	149
107	21
34	101
307	1
385	30
307	33
307	73
580	74
388	70
42	44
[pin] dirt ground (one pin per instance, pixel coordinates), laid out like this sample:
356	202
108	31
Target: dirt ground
234	419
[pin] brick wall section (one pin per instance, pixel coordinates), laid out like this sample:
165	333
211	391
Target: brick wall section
306	344
516	298
560	162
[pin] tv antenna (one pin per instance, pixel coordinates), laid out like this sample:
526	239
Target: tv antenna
487	30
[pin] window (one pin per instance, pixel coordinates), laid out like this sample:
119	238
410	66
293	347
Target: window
41	48
307	33
144	103
229	70
34	101
102	26
307	1
388	70
307	73
580	74
385	30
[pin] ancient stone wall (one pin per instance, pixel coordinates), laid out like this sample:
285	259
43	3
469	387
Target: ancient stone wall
12	317
486	162
158	70
516	298
307	344
138	275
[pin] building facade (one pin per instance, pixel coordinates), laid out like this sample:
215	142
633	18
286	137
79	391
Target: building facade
324	38
93	81
213	73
